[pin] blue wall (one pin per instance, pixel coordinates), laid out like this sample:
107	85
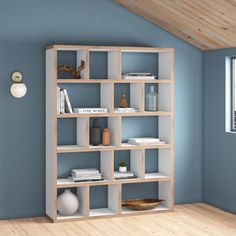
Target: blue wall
219	146
27	27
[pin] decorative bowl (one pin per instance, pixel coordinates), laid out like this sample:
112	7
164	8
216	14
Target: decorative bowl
141	204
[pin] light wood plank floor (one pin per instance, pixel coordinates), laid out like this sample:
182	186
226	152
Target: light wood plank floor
187	220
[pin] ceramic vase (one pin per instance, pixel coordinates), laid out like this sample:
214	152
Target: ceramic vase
67	203
95	134
106	137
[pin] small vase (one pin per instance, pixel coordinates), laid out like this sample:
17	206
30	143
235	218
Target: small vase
123	169
151	100
106	137
95	134
123	101
67	203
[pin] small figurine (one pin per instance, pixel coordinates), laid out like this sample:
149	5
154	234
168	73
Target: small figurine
123	101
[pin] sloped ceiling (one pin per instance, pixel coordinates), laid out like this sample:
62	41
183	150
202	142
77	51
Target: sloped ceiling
206	24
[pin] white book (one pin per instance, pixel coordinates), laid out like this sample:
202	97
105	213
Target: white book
68	107
139	76
62	102
87	171
90	110
145	141
58	100
85	178
118	174
127	109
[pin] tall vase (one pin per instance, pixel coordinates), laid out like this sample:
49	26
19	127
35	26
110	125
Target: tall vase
95	134
67	203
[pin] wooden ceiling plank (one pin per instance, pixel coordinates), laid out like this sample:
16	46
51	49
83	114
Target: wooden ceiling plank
207	24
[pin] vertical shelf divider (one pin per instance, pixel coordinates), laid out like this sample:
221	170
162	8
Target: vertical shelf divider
114	198
82	132
107	96
114	64
83	194
106	164
137	162
114	123
83	54
137	94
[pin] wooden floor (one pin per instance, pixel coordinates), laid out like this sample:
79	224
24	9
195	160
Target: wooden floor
191	219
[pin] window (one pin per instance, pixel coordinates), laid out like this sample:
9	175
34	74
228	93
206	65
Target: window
233	94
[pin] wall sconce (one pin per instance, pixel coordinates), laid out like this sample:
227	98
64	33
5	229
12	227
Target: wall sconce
18	89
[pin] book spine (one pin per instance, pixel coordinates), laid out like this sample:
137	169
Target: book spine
58	100
62	102
92	110
67	102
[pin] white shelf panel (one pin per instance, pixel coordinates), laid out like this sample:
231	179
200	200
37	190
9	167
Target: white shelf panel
77	215
161	207
155	176
101	212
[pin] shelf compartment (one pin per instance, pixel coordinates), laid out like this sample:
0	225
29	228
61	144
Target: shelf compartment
134	160
134	95
104	64
83	211
134	127
73	58
104	200
66	132
157	163
160	190
103	161
163	96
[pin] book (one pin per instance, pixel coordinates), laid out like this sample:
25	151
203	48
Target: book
88	171
118	174
127	109
58	100
90	110
145	141
139	76
68	107
62	102
85	179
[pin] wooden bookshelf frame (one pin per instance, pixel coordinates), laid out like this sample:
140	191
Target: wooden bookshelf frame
114	187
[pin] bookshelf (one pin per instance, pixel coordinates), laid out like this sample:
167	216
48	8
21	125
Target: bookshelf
67	135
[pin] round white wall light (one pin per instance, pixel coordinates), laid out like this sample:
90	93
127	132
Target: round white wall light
18	89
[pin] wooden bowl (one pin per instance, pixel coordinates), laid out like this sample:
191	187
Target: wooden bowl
141	204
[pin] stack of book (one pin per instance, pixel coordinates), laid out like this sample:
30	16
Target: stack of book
63	102
79	175
139	76
124	175
145	141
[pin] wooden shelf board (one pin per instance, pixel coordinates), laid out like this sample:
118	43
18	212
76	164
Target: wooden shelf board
124	146
161	207
77	215
115	114
66	183
101	212
97	81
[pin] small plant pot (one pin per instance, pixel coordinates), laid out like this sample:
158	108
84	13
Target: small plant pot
122	169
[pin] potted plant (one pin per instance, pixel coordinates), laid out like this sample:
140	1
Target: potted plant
122	166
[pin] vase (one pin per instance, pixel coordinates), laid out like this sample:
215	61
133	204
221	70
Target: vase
67	203
106	137
95	134
151	100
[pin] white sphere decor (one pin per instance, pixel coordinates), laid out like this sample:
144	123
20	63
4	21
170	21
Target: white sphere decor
67	203
18	90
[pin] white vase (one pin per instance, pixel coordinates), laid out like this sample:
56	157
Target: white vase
67	203
122	169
